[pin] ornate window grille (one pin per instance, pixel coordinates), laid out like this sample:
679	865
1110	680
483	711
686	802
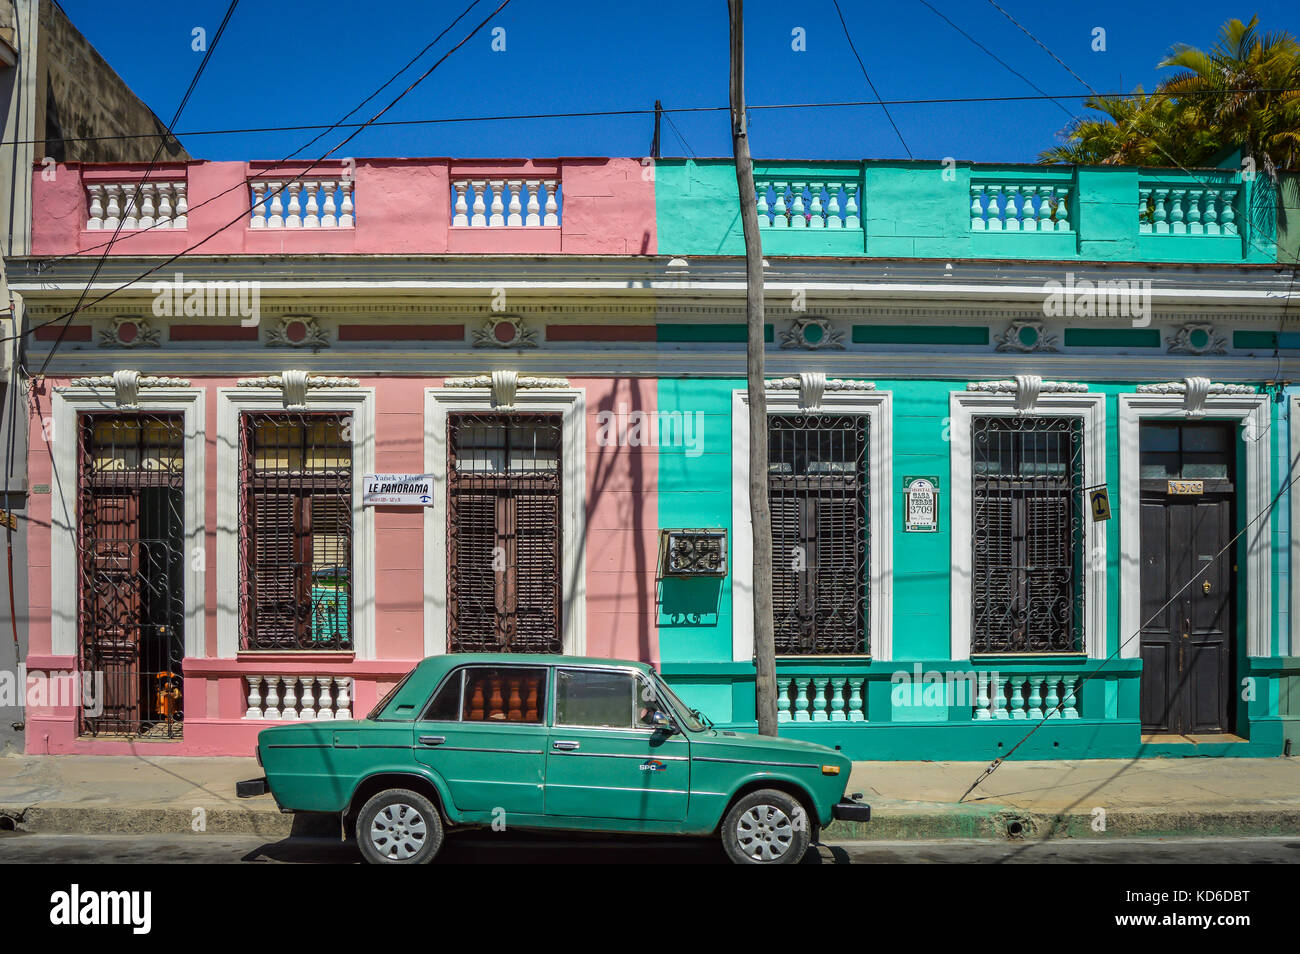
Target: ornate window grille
818	484
1028	534
295	531
131	599
504	537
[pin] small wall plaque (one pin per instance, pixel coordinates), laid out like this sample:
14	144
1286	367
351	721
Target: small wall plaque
922	509
1187	487
687	553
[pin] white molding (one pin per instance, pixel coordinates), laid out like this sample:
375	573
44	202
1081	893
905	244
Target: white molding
571	404
1092	409
1249	409
878	407
67	403
231	402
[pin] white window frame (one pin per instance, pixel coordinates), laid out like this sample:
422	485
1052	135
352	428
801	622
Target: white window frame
1091	408
1293	534
571	405
67	403
359	402
878	408
1250	410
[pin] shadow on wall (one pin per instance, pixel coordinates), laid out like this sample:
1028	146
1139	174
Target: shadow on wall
690	602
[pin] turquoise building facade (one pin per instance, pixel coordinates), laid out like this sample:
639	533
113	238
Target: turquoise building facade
1138	307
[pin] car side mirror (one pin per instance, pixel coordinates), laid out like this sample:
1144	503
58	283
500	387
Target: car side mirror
661	722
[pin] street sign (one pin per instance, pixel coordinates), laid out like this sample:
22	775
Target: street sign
1099	503
922	510
397	490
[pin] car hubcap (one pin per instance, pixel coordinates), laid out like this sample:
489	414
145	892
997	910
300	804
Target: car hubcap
398	831
764	833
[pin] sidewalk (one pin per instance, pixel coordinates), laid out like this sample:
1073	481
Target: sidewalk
909	800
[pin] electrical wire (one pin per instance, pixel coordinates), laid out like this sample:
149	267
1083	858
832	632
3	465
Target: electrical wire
867	77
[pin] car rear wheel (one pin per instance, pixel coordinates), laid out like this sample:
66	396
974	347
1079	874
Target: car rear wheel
399	827
767	827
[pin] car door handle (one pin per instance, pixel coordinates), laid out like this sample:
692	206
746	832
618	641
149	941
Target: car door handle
565	746
432	739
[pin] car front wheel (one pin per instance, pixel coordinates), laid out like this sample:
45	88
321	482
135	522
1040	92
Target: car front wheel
399	827
766	827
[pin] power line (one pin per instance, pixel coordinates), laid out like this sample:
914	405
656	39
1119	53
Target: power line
135	196
991	54
598	113
866	76
1040	43
243	215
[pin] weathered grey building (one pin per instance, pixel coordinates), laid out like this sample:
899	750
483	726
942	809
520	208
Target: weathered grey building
56	92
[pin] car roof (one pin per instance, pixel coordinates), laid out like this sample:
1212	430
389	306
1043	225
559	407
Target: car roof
525	659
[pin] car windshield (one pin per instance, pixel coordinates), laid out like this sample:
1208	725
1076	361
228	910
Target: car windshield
373	714
691	718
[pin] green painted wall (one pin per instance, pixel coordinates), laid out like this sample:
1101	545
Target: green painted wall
922	210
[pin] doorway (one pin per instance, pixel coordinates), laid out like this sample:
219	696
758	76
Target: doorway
1188	517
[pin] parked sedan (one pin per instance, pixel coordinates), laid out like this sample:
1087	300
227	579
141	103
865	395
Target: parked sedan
550	742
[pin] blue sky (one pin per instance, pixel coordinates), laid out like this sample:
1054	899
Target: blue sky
295	62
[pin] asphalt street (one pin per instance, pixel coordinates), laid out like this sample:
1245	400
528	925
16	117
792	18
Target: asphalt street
508	848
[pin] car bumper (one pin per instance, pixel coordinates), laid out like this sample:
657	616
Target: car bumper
251	788
847	810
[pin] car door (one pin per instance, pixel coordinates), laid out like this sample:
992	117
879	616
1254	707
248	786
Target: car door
605	758
484	733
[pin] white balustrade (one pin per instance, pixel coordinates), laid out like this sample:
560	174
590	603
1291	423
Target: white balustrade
136	205
808	204
301	204
298	698
828	698
1192	210
1020	207
505	203
1029	697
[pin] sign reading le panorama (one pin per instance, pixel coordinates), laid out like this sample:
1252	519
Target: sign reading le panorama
404	490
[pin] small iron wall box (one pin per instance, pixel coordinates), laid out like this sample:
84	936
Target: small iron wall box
922	508
691	553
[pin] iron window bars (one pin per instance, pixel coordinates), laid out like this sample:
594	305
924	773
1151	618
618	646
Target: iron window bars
1028	534
131	600
295	531
818	486
504	532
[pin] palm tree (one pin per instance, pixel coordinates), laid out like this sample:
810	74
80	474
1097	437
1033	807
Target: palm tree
1233	89
1244	92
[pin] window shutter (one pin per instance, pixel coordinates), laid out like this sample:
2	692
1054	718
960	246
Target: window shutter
472	540
271	570
786	543
840	567
993	576
537	578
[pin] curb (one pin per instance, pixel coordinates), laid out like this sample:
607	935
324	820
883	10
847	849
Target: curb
82	819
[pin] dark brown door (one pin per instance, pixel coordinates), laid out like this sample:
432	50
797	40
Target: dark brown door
1187	578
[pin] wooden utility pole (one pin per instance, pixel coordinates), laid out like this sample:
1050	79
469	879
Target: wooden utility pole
759	519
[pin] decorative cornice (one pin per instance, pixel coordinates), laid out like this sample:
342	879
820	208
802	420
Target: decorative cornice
1027	388
504	384
126	385
1196	391
1197	338
295	384
812	386
1014	338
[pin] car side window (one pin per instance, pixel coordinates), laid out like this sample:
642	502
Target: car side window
646	705
594	698
504	694
445	706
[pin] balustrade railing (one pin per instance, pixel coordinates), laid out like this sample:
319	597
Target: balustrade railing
1200	210
298	698
1020	207
1025	697
505	203
136	205
808	203
821	698
302	204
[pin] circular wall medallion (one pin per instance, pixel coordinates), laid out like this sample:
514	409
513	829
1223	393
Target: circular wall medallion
296	331
1028	336
505	331
127	332
813	333
1199	339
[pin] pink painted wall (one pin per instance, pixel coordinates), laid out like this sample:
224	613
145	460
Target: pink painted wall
403	206
621	548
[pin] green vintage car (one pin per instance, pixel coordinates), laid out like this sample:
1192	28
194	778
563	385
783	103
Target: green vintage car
550	742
